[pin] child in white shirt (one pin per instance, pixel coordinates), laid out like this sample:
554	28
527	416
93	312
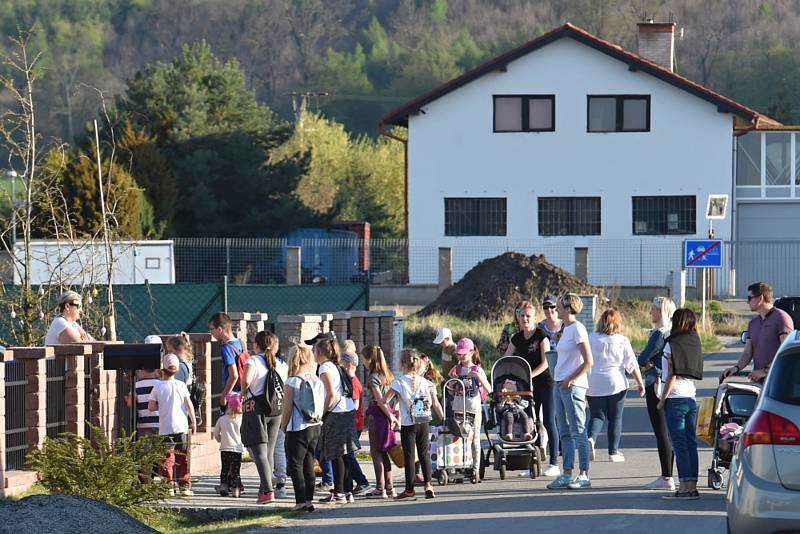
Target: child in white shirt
227	432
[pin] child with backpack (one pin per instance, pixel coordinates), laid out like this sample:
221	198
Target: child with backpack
414	392
339	422
171	399
262	395
301	422
234	355
476	386
227	431
356	482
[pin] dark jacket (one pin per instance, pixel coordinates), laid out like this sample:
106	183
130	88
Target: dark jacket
653	353
687	355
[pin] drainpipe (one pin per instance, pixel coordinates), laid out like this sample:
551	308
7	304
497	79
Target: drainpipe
390	135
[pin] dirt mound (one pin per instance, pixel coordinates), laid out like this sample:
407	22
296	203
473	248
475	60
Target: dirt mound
491	289
62	513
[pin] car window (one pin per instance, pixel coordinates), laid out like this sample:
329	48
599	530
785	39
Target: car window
784	382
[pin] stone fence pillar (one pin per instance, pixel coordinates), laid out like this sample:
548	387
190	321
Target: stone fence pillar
201	347
340	324
239	325
293	328
357	328
74	385
387	336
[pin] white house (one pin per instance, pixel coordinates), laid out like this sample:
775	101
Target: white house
570	146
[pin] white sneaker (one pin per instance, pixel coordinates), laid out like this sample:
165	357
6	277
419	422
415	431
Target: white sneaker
349	498
524	473
662	483
551	471
281	493
591	449
618	457
580	482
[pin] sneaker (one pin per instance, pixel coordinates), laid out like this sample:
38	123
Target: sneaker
236	493
391	493
429	493
551	471
333	498
281	492
591	449
561	482
172	492
187	492
264	498
349	498
524	473
361	488
375	493
324	487
616	457
682	496
299	507
222	489
662	483
580	482
407	496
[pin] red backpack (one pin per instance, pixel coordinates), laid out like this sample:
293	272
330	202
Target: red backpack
241	357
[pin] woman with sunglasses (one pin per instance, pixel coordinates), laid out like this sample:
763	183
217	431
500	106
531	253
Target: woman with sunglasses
509	330
551	324
65	327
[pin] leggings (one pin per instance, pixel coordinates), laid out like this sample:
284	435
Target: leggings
263	453
341	472
300	446
544	399
416	435
659	421
230	473
380	459
476	440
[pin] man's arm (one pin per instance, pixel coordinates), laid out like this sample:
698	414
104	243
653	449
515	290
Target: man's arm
744	359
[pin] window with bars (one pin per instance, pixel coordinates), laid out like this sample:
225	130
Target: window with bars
524	113
664	215
618	113
569	216
474	216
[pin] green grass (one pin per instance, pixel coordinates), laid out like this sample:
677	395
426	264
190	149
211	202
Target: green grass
165	520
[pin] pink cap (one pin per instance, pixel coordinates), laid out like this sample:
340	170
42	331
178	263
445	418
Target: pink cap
464	346
170	360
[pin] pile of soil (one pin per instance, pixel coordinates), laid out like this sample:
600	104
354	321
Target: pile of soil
62	513
491	289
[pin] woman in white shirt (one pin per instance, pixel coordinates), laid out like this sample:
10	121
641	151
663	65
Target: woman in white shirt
570	374
608	383
65	327
339	421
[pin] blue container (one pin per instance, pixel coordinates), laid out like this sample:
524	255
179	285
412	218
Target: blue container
327	256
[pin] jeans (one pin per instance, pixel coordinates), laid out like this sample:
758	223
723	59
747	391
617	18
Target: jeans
279	460
300	447
659	422
356	475
544	398
416	435
607	407
681	414
326	467
571	420
263	453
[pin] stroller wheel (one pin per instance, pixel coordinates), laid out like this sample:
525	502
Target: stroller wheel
442	478
714	479
503	469
535	467
484	463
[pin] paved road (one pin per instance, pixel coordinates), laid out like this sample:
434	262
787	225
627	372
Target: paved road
615	503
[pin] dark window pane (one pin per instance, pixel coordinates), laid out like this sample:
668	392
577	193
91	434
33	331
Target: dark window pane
634	114
569	216
474	216
540	114
508	114
602	114
664	215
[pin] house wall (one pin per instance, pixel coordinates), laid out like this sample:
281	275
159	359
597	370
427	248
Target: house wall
454	153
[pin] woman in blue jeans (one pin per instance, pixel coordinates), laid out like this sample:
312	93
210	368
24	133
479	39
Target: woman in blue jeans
682	364
570	374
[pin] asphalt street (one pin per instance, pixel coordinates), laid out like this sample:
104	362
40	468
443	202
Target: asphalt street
615	503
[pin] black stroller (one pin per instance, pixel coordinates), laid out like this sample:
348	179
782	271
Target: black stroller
521	452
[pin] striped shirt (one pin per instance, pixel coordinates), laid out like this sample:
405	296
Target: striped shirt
144	417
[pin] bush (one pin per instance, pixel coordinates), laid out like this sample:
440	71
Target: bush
96	469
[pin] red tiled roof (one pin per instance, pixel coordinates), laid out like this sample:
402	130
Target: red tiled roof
399	116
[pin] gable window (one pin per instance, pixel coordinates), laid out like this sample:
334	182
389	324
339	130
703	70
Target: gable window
569	216
524	113
474	216
618	113
664	215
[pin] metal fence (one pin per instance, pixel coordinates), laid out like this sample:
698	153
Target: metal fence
16	427
56	397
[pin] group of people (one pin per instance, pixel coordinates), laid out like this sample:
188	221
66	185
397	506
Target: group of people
311	406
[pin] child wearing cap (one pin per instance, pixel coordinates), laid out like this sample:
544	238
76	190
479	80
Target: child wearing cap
356	483
227	431
175	419
468	400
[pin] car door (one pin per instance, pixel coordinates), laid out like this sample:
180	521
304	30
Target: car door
782	398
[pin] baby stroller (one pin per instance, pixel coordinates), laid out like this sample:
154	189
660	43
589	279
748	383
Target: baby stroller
521	452
451	444
734	402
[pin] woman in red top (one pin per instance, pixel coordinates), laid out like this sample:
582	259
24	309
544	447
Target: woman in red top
357	482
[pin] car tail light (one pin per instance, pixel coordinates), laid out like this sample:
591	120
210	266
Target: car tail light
766	428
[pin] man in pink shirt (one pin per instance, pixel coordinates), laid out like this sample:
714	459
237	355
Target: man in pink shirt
766	332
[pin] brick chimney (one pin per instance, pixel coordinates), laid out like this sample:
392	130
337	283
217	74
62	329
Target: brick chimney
657	42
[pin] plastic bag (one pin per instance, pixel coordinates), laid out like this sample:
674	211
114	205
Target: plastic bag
705	411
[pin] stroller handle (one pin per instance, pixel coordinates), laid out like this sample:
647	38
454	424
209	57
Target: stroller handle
739	374
514	393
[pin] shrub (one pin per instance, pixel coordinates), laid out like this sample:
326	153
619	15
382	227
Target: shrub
96	469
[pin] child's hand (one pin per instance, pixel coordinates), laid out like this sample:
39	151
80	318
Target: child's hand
193	428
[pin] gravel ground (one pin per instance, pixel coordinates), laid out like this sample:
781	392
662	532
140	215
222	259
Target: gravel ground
60	513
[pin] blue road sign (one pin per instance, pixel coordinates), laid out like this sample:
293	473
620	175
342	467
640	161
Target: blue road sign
702	253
